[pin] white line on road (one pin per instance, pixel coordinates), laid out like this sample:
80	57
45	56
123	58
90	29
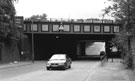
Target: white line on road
91	71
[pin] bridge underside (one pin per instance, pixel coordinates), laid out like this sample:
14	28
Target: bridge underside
73	44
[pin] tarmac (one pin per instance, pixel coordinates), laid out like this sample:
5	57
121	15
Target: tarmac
109	71
14	64
112	71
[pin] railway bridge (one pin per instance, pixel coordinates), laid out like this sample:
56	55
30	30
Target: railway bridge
67	36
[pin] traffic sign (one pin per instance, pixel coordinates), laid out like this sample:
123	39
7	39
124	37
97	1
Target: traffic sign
19	21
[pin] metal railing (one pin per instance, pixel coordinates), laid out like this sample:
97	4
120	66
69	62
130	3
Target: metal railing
73	20
103	59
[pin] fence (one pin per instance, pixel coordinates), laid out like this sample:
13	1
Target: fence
103	58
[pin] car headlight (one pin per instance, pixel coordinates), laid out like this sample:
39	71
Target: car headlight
48	64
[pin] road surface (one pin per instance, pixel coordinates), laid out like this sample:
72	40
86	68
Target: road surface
80	71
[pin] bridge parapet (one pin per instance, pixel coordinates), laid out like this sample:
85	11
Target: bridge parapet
71	26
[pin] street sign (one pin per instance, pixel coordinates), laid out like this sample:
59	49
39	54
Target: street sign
61	28
19	21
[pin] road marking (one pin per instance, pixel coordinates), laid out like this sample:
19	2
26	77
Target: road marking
91	71
88	77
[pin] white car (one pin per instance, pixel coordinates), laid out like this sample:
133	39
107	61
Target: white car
62	61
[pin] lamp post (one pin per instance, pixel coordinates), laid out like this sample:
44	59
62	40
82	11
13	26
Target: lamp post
32	45
32	39
130	56
129	34
129	25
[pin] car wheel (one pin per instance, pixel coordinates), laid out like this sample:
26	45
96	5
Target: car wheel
47	68
69	66
64	67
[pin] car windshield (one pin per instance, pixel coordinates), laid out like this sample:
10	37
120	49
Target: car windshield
58	57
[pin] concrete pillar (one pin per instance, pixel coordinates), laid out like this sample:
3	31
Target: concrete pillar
78	48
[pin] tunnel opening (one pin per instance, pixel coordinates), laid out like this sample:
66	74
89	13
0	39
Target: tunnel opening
45	45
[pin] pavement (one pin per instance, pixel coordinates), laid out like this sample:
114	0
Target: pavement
112	71
109	71
14	64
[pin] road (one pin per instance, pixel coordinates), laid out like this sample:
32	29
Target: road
95	48
80	71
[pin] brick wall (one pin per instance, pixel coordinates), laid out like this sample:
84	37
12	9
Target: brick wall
10	54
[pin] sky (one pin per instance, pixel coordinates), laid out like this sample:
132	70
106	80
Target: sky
68	9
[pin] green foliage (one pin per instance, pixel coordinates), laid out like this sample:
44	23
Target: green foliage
121	40
42	17
8	30
124	12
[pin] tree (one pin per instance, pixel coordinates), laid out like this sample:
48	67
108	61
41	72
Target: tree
42	17
8	29
124	12
10	34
